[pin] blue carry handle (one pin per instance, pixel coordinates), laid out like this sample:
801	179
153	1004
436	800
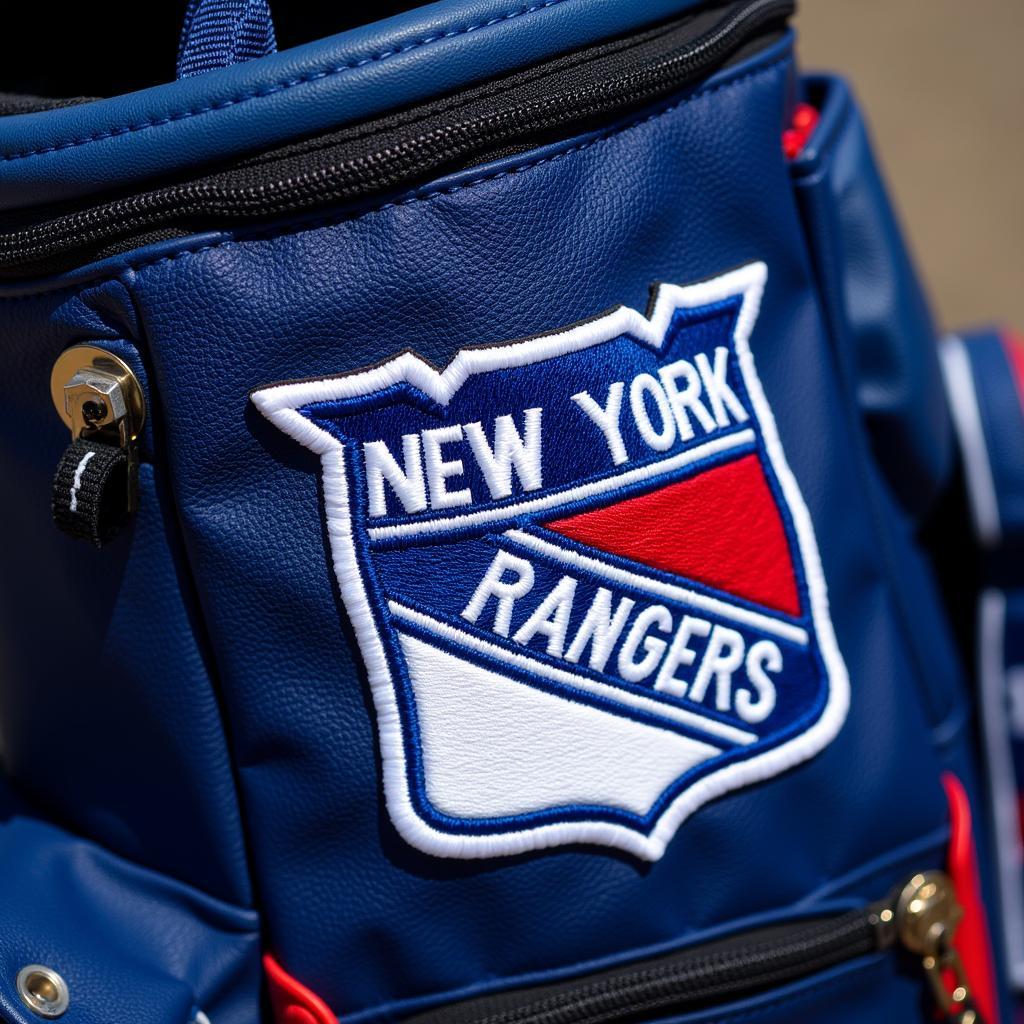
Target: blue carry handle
219	33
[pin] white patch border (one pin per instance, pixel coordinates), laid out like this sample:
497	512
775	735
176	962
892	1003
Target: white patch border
281	403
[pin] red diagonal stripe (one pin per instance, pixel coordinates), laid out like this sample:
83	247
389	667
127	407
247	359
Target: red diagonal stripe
721	528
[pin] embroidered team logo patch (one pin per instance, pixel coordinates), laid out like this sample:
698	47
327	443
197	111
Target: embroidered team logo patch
581	574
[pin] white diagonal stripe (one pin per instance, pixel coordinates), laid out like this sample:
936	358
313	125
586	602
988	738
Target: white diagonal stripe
578	682
658	588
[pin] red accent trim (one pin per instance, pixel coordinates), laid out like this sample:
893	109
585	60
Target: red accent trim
292	1002
801	127
972	937
721	527
1013	344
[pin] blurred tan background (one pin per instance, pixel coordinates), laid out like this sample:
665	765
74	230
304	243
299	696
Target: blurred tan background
942	86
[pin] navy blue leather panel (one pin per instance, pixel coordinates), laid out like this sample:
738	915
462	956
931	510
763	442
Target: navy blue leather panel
111	637
383	66
130	944
887	354
876	301
691	190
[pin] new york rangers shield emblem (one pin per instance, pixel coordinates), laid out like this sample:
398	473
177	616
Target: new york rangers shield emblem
581	574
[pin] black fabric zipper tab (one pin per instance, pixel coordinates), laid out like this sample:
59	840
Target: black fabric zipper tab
554	100
920	916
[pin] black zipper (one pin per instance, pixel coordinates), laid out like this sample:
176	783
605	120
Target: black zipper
554	100
920	916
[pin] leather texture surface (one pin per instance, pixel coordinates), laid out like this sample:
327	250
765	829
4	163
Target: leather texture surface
424	52
886	354
130	944
530	244
111	637
872	290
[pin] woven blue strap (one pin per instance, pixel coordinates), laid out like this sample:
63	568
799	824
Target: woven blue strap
218	33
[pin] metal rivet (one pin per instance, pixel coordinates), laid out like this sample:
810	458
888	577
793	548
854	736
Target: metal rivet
43	990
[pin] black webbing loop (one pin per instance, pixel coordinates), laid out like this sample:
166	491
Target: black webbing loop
90	491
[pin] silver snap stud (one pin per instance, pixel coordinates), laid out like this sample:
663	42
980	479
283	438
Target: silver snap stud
43	991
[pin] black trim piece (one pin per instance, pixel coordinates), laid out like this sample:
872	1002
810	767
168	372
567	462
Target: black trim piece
90	491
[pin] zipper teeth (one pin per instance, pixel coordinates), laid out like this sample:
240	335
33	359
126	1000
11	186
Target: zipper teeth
391	166
702	978
583	102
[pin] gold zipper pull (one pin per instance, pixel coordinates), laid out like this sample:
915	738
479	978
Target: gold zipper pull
927	915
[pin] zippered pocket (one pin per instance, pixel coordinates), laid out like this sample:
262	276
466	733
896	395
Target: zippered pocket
552	101
918	920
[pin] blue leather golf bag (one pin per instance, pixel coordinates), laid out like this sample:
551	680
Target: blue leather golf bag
493	535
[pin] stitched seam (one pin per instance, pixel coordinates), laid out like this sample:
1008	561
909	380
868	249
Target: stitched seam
417	197
423	196
277	87
489	91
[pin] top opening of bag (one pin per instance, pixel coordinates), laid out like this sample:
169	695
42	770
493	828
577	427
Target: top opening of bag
86	51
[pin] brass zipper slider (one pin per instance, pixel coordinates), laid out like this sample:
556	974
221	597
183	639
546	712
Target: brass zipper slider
924	917
101	402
